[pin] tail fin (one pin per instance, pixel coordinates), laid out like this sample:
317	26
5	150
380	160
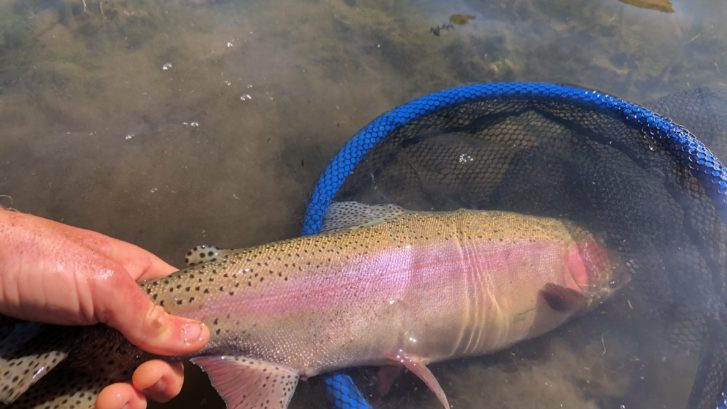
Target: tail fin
64	388
82	360
27	353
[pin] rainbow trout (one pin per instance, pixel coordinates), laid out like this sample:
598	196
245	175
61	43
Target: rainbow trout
403	288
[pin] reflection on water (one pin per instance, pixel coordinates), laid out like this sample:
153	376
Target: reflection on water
174	123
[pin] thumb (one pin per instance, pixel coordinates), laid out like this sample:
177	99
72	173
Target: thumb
126	307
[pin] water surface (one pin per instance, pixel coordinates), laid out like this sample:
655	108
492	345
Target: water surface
174	123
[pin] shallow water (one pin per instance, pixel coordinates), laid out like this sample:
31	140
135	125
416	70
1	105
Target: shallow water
173	123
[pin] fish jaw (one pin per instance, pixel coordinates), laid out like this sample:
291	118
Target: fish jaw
596	271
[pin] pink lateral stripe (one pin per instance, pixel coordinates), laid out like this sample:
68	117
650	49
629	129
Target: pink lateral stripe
386	275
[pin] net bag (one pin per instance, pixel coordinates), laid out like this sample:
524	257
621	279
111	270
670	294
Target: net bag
656	194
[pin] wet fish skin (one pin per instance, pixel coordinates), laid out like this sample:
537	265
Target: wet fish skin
418	288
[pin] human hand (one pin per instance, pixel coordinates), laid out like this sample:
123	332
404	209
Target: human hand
59	274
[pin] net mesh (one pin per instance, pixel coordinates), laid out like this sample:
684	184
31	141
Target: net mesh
645	185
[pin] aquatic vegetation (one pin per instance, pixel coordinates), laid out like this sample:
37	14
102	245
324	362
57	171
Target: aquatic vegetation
438	29
661	5
460	19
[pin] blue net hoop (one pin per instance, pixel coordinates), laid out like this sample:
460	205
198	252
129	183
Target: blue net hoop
679	142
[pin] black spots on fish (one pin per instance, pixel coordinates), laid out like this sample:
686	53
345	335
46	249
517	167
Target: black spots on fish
249	283
188	289
206	291
217	331
232	293
179	302
161	303
191	300
222	288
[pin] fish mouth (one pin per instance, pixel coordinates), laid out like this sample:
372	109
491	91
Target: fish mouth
595	270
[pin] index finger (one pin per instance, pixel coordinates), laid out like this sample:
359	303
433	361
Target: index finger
139	263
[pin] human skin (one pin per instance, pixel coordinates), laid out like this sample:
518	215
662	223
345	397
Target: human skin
59	274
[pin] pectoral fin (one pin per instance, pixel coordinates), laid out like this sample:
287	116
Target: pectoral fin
563	299
246	383
418	368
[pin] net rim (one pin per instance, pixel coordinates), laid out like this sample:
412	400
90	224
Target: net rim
676	140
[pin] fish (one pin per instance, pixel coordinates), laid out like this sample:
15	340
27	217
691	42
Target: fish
384	286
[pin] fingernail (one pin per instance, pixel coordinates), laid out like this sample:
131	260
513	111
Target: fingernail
160	386
192	332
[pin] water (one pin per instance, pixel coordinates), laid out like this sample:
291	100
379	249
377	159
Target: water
170	124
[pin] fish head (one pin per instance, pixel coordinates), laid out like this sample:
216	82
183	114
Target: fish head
597	271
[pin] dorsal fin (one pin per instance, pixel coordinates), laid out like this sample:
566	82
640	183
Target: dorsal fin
347	215
204	253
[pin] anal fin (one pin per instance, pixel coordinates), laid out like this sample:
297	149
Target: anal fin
246	383
419	368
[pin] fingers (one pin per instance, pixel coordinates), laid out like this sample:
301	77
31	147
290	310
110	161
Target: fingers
122	304
156	379
120	395
159	380
139	263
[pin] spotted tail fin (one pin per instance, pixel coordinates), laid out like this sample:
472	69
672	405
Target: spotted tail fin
27	353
